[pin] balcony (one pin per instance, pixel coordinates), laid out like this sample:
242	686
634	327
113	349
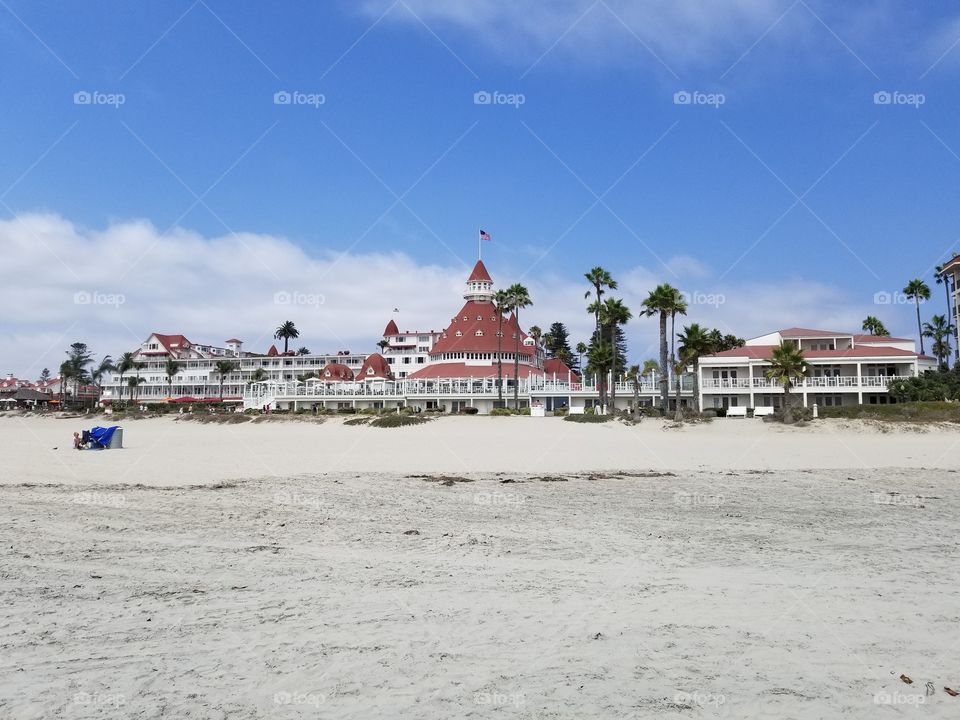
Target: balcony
852	382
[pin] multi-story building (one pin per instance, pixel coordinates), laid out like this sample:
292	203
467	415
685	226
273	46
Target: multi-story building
846	369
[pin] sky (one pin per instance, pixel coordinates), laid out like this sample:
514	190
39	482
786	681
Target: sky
215	168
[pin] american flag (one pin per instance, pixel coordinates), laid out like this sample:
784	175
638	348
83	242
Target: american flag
484	235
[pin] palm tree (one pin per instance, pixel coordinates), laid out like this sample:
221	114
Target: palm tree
123	365
170	368
873	326
600	279
383	344
79	357
519	299
662	301
303	351
104	368
917	290
258	375
614	314
634	372
694	343
944	279
286	332
501	304
786	365
66	373
138	366
650	367
223	368
134	383
679	367
581	351
938	330
598	358
679	307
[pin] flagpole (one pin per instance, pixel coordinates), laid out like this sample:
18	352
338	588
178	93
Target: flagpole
479	246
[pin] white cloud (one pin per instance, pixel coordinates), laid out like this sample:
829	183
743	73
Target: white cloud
215	288
679	32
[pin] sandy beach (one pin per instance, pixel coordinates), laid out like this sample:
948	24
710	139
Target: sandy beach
479	567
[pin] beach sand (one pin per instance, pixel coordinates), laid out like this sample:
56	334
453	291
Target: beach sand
479	567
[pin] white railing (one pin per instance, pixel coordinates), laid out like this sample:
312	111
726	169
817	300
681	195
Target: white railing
843	381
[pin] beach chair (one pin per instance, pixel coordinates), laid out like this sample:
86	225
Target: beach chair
764	410
733	412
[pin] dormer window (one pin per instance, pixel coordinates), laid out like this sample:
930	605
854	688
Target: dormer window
465	318
369	371
479	318
479	333
459	334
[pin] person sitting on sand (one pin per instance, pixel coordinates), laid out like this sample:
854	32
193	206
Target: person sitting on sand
77	442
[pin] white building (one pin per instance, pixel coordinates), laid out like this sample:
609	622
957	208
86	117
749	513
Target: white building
846	369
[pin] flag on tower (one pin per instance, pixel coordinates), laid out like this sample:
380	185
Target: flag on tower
484	235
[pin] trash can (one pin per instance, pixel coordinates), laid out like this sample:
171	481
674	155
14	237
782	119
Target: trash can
116	442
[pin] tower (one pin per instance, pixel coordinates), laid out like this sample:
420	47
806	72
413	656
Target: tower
479	284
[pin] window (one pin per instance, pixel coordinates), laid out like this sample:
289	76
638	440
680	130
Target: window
459	334
479	333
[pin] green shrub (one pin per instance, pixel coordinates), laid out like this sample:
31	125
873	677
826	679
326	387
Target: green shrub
393	420
560	412
498	412
897	412
357	421
589	418
347	411
469	410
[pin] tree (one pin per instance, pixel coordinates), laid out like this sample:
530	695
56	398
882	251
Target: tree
124	365
258	375
138	366
720	342
536	333
634	373
873	326
134	384
650	367
103	368
286	332
519	299
303	351
599	357
581	351
600	279
44	375
943	278
662	301
939	330
557	345
679	366
383	344
223	368
501	304
694	343
66	372
614	314
787	364
917	290
170	369
79	357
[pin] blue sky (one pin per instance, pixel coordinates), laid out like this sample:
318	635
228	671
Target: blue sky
700	195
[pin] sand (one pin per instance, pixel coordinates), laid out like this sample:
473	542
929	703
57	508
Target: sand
735	569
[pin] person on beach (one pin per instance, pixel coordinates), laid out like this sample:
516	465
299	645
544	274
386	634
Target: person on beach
77	442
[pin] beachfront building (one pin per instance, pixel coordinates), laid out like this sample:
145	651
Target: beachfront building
846	369
950	274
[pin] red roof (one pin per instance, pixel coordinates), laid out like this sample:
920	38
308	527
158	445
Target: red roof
796	332
171	342
391	329
462	370
878	338
480	273
233	340
375	367
556	366
273	352
763	352
476	316
336	372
